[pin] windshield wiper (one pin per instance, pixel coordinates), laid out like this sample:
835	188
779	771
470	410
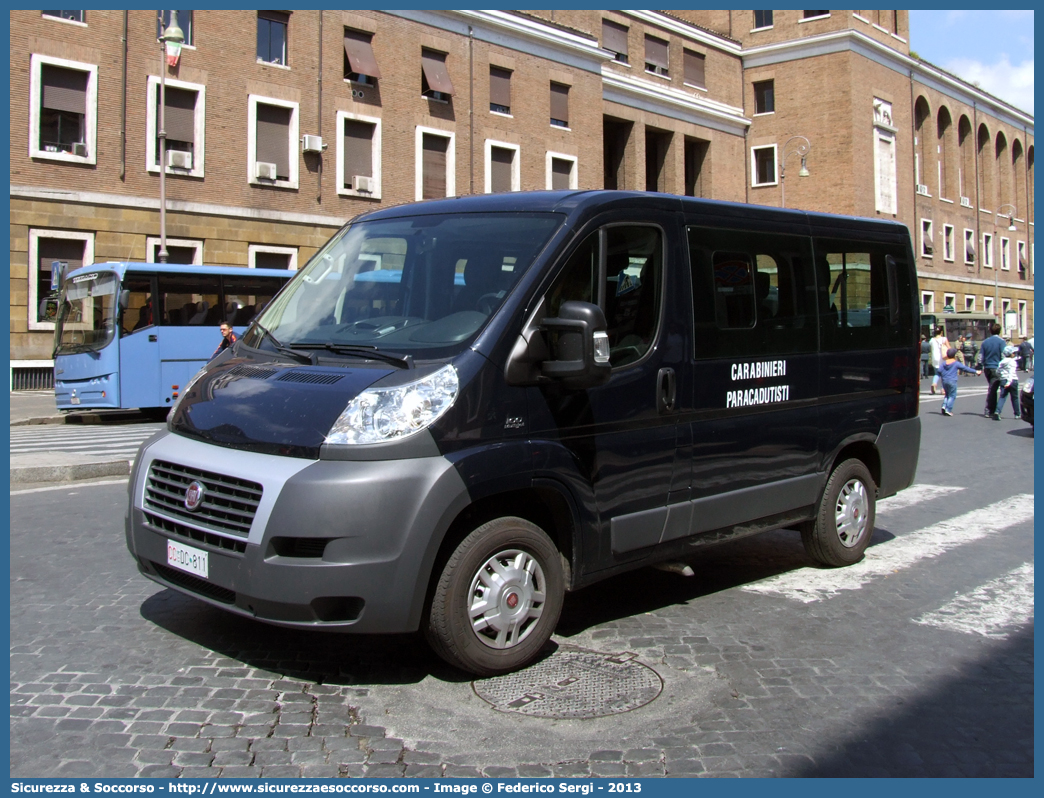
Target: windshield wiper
300	357
366	352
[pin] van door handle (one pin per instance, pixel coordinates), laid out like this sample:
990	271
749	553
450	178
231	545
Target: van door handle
152	339
666	390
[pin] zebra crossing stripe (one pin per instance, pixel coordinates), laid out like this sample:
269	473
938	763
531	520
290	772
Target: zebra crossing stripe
992	610
915	495
815	584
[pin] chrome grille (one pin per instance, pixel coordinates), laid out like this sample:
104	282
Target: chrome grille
229	505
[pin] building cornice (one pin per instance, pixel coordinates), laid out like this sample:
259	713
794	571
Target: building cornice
681	28
176	206
921	71
672	103
1024	285
515	32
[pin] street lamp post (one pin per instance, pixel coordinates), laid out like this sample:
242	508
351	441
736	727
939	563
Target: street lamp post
172	33
801	148
996	267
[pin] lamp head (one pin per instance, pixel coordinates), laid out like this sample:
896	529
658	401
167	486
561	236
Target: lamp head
173	33
803	171
1011	224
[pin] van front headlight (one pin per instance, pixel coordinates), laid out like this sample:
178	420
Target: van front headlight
378	415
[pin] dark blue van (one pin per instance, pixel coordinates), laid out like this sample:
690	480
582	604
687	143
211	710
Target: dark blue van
461	409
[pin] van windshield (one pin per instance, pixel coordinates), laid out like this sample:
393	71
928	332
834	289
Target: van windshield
421	285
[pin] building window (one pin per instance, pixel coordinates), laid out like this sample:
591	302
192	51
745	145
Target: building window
695	67
184	123
359	155
271	37
272	142
499	90
1023	319
987	250
360	64
764	97
502	167
63	110
763	165
46	246
987	304
560	172
263	256
657	56
814	14
559	105
969	303
435	159
948	242
762	19
179	250
949	303
1005	253
184	22
969	246
614	39
1021	254
435	79
1005	308
68	16
927	244
885	177
927	302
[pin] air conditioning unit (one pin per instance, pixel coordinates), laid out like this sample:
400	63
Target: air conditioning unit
265	171
179	159
312	143
922	189
965	202
363	183
79	148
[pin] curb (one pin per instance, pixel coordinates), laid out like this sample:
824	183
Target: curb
26	422
69	472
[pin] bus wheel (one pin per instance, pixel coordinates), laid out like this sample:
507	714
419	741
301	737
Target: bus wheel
498	598
845	522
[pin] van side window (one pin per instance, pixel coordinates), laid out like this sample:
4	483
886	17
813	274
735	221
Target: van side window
753	293
189	299
628	262
855	296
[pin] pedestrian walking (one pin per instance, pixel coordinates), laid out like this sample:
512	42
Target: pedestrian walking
1008	380
992	352
948	371
960	350
926	355
1025	355
939	347
228	337
970	350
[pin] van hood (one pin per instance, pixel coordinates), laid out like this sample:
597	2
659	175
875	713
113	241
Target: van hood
271	407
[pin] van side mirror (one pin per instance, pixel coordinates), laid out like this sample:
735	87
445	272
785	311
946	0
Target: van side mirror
579	346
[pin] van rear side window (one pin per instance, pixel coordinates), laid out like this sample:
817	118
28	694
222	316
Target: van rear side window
753	293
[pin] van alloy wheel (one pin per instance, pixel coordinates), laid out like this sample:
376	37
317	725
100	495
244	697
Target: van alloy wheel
844	522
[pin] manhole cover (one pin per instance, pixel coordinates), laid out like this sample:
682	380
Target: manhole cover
573	683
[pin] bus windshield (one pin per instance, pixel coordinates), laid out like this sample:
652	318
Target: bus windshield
87	312
421	285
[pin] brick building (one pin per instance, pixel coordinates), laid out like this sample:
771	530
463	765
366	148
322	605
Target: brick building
416	104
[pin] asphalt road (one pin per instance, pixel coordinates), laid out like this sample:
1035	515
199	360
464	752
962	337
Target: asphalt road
916	662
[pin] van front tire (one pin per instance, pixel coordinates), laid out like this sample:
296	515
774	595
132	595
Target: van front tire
844	524
498	598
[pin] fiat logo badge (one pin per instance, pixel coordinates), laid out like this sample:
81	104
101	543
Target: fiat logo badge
194	496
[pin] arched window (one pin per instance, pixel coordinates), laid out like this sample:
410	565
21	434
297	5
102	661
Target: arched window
1029	215
1018	178
946	145
987	170
966	173
1005	192
922	113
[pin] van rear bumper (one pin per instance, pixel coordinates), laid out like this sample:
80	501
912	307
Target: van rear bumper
898	445
343	545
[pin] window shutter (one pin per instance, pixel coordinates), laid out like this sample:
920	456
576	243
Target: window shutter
499	86
273	137
64	89
180	116
695	68
274	16
359	49
270	260
561	171
435	72
358	150
500	161
52	249
614	37
433	178
560	102
656	51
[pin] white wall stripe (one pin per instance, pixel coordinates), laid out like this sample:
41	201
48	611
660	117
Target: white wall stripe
815	584
915	495
994	609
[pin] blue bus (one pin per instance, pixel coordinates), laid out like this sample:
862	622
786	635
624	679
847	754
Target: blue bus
129	335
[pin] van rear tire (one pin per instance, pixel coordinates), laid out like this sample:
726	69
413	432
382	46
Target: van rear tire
498	598
844	524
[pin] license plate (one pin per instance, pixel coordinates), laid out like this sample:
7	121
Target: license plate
75	400
186	558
